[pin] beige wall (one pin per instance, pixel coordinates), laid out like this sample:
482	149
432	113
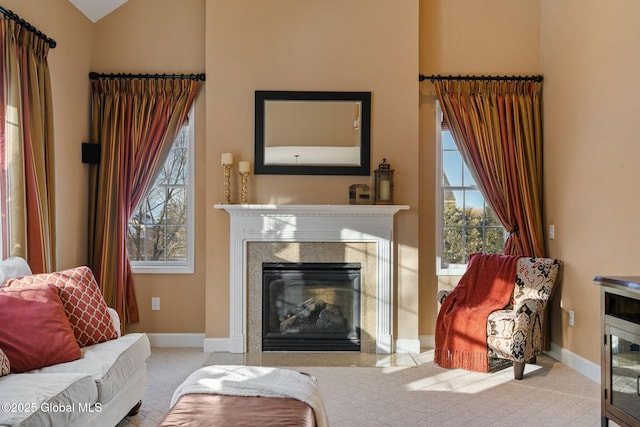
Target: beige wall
589	58
586	54
337	45
584	51
356	45
163	36
491	37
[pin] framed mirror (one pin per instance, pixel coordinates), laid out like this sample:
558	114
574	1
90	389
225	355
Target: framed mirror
312	133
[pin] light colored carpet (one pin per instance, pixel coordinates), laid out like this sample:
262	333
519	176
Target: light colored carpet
401	390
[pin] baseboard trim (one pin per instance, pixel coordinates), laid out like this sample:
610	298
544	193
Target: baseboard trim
577	363
176	340
216	345
408	346
427	341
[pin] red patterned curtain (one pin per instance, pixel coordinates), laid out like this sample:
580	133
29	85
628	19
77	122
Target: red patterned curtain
497	126
26	149
135	120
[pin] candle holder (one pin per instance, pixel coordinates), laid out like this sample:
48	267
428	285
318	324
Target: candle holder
243	191
383	184
227	183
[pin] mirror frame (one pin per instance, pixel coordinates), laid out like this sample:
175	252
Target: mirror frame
262	96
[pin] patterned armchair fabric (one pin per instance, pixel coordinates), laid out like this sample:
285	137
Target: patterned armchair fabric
516	332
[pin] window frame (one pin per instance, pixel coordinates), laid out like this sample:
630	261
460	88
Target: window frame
451	269
187	266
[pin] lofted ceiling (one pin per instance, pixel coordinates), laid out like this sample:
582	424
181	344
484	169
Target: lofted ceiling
97	9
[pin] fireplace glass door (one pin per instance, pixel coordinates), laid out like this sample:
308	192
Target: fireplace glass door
311	307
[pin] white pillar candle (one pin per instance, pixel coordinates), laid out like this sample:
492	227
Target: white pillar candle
227	158
384	190
244	167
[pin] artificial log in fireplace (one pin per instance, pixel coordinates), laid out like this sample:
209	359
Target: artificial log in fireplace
311	306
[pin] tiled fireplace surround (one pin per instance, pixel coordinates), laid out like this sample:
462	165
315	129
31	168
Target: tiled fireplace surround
311	233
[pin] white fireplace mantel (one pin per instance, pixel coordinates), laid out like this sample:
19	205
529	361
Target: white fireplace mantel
311	223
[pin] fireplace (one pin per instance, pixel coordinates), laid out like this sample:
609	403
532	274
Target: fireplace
311	306
309	228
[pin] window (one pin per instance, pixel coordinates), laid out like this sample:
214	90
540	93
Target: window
160	238
466	223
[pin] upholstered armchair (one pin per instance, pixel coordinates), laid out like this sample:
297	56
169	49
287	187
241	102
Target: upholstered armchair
516	332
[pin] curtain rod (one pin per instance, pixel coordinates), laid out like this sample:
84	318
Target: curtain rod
95	76
10	15
537	78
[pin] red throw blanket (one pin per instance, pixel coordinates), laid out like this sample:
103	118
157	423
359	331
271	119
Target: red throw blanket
461	328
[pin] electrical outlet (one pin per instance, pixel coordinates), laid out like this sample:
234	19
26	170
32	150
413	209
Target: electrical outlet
155	303
571	318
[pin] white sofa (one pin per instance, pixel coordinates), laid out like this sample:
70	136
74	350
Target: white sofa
98	389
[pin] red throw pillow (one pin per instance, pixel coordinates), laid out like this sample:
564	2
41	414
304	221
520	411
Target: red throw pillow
34	329
83	302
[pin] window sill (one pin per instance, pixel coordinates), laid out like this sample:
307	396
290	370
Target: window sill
445	273
162	269
449	269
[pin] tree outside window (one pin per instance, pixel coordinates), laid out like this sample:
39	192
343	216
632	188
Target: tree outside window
467	223
159	229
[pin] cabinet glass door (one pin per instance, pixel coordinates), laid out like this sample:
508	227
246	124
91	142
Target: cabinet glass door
625	373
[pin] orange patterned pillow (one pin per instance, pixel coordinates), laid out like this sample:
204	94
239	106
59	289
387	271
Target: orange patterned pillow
83	303
5	367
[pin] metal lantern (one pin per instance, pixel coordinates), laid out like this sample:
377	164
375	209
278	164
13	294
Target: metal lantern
383	184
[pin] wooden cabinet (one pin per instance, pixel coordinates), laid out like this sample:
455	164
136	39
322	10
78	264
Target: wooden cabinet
620	362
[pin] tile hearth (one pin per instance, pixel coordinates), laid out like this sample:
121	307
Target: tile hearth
326	359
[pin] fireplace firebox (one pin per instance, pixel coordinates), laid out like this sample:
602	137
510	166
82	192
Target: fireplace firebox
311	306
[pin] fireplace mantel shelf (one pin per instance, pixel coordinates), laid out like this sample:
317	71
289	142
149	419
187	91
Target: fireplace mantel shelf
267	209
311	223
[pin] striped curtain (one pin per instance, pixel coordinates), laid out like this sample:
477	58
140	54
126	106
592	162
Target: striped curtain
26	149
497	127
135	121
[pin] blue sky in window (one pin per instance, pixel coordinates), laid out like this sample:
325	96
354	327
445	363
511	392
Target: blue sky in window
458	174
